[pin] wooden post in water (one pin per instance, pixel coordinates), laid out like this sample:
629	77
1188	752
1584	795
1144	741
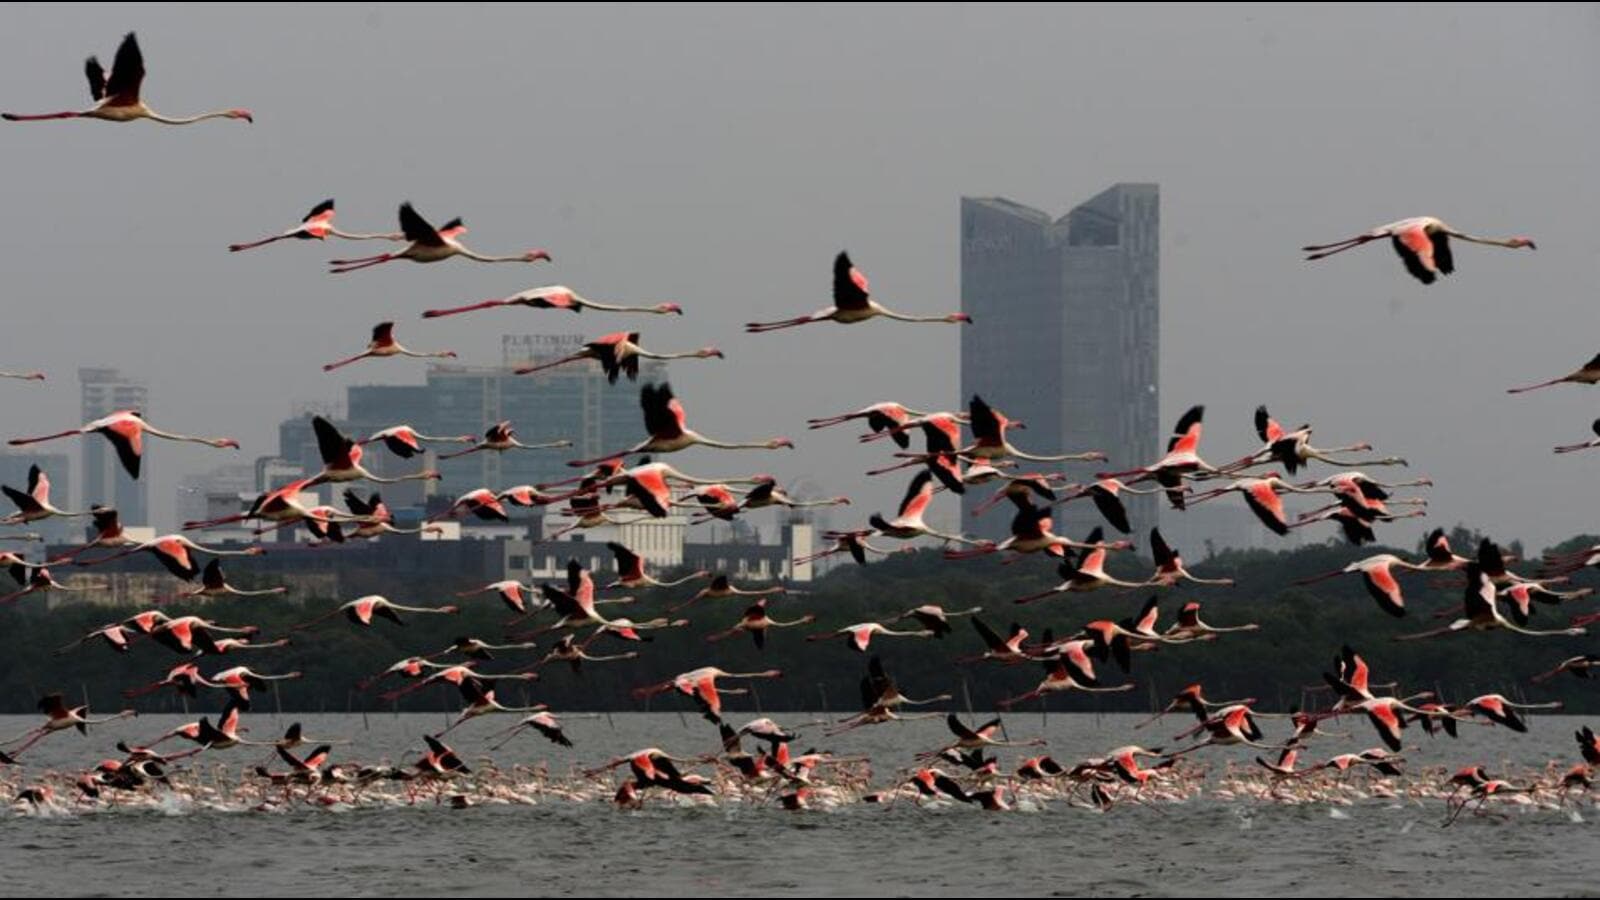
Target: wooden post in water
755	697
822	689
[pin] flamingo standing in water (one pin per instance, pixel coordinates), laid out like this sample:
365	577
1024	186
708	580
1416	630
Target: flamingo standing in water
1589	374
852	303
555	297
125	429
383	344
316	226
618	353
665	420
35	504
1423	243
117	97
429	244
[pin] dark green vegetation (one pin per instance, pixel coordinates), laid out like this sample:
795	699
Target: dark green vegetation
1302	630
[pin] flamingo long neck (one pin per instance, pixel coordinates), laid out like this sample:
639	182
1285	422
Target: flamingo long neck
166	120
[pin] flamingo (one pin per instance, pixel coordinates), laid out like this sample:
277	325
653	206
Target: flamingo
1169	565
852	303
975	738
405	442
240	680
279	507
631	574
756	622
1190	627
1293	448
1023	486
575	654
766	492
429	244
1058	677
543	722
189	634
1030	533
1578	666
880	697
23	376
481	702
1586	445
1182	459
1479	612
176	553
317	225
341	459
35	504
1588	374
1264	497
362	610
372	518
500	437
882	418
852	542
935	618
618	353
511	592
1496	708
908	523
213	584
60	717
1106	493
1423	243
383	344
555	297
721	588
1377	573
1086	574
473	648
858	636
479	502
701	684
576	604
989	437
38	580
117	98
117	637
1007	650
125	429
665	420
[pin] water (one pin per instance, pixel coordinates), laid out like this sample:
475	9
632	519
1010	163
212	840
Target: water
1205	846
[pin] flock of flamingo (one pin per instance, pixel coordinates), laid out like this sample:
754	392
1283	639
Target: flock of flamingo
630	483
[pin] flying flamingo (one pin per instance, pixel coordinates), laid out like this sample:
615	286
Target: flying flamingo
213	584
239	680
39	580
1496	708
512	593
852	542
383	344
631	574
23	376
860	635
1423	243
176	553
341	459
543	722
125	429
1106	493
665	420
701	684
1023	486
184	678
1586	445
935	618
908	523
721	588
1181	459
555	297
989	438
1169	565
117	98
35	504
1589	374
479	502
1479	612
1059	678
1578	666
1293	448
405	442
473	648
373	518
575	654
756	621
188	634
981	737
481	702
1086	574
1007	650
117	636
852	303
1190	627
500	437
429	244
1264	497
362	611
61	717
279	506
881	418
317	225
1377	573
1030	533
618	353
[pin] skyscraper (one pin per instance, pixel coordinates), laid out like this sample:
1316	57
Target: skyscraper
1067	316
105	391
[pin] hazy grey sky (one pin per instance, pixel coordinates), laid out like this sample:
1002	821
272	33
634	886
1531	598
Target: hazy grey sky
719	157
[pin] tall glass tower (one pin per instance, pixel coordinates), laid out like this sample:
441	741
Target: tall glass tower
1066	336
